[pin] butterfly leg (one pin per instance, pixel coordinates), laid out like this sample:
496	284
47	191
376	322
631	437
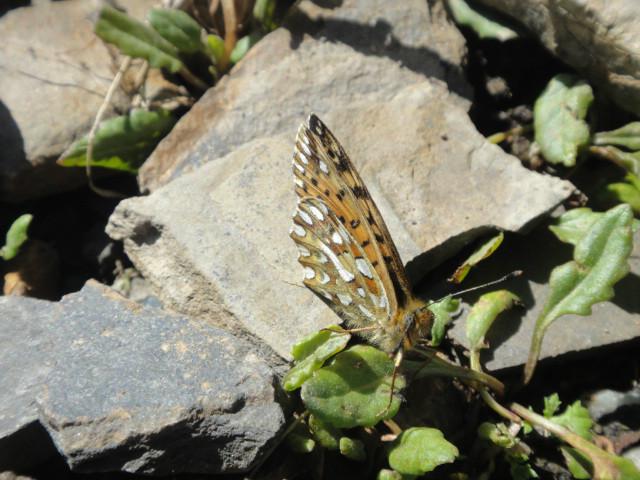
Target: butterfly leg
396	367
429	354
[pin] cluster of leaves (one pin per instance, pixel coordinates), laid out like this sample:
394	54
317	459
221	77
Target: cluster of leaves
347	387
174	41
16	236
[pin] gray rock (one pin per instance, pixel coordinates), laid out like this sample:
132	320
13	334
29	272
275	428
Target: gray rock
319	60
25	362
599	38
123	387
214	244
59	70
510	338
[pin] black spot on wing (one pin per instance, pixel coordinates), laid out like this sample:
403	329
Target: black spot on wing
359	192
365	243
315	182
379	238
355	223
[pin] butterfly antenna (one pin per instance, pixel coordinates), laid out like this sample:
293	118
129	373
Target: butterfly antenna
509	276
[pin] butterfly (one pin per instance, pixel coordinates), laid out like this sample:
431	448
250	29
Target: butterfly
348	255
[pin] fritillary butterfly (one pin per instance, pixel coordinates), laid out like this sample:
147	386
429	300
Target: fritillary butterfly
348	255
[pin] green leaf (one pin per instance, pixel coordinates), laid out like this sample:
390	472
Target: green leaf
326	434
299	440
243	45
627	136
353	389
484	313
519	467
485	22
600	260
16	236
386	474
177	27
630	161
353	449
419	450
215	46
122	143
575	418
263	12
551	405
574	224
442	317
484	251
579	464
311	352
558	119
136	39
622	192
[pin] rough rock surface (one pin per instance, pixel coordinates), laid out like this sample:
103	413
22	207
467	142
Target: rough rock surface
121	387
319	60
599	38
214	244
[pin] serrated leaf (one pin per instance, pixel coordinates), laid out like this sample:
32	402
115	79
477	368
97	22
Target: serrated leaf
558	119
136	39
627	136
420	450
575	418
354	389
353	449
484	313
441	318
326	434
551	405
177	27
122	143
16	236
243	45
574	224
600	260
482	252
485	22
311	352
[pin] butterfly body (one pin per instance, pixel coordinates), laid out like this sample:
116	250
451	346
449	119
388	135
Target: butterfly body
348	255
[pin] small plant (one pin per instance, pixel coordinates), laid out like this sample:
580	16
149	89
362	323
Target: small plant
16	236
345	388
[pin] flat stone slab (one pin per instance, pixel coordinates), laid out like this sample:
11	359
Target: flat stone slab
537	255
215	243
137	389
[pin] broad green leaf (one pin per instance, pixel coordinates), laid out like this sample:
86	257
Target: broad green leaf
485	250
627	136
215	46
122	143
622	192
485	22
136	39
575	418
551	405
177	27
325	434
243	45
442	317
354	389
311	352
353	449
600	260
484	313
558	119
630	161
16	236
574	224
419	450
386	474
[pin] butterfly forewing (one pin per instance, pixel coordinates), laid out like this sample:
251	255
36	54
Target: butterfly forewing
326	179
